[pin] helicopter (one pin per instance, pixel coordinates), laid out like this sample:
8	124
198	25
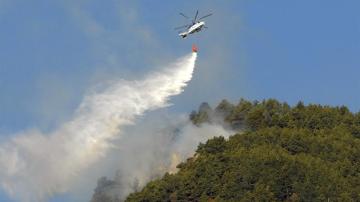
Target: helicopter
196	25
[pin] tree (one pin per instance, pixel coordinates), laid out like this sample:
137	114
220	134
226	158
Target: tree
300	153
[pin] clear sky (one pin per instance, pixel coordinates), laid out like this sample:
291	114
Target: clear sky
52	52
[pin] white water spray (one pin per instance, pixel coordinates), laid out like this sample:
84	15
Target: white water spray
34	166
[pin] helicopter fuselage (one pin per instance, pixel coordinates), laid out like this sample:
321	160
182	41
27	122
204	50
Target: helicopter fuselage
196	27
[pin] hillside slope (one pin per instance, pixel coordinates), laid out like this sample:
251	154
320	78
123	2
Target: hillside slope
283	153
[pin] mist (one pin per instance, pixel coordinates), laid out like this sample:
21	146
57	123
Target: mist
34	166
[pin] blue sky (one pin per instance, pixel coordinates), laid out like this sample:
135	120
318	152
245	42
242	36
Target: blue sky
52	52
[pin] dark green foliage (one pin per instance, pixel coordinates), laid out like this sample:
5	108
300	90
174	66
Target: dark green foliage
301	153
271	113
224	109
203	115
104	185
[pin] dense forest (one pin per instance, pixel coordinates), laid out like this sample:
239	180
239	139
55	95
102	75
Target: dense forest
279	153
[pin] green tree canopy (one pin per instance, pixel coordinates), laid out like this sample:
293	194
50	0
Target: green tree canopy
280	153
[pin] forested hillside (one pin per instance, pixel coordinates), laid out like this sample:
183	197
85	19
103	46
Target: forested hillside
280	153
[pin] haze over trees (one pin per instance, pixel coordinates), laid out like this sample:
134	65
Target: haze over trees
280	153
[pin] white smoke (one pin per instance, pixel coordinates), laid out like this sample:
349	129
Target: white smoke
155	146
34	166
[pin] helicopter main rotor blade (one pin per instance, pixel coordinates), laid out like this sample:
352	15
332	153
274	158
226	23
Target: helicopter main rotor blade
205	16
197	12
182	14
